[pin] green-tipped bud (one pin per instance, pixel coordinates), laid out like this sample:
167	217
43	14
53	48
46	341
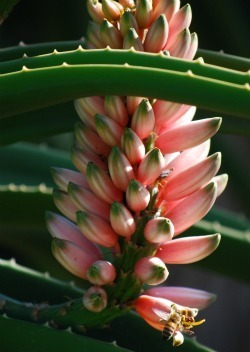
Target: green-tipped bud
101	272
143	119
159	230
127	22
95	299
110	35
109	130
151	270
132	40
112	10
116	110
120	169
143	13
150	167
137	196
93	36
132	146
157	35
122	220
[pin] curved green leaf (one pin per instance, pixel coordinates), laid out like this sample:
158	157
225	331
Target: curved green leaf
43	87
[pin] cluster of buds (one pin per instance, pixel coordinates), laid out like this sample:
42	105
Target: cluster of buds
144	176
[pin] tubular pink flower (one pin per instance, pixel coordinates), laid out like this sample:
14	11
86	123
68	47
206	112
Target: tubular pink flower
116	110
159	230
63	229
95	299
143	119
82	156
181	45
187	249
188	158
192	208
183	116
88	107
137	196
62	177
64	204
102	185
193	178
132	146
132	40
85	137
86	200
120	169
101	272
112	10
109	130
179	21
198	131
96	230
184	296
128	22
72	257
122	220
167	7
221	181
143	13
190	54
150	167
157	35
151	270
110	35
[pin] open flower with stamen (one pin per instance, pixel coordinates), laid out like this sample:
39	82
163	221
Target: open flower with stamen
144	177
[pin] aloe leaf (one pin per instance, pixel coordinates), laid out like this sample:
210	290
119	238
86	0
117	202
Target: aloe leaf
5	8
131	57
224	60
67	82
39	338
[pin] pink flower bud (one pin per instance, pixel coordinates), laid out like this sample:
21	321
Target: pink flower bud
102	185
198	132
86	200
132	40
192	208
159	230
179	21
181	45
188	249
95	10
137	196
88	107
63	229
132	146
96	230
184	296
95	299
150	167
143	119
193	178
110	35
82	156
72	257
127	22
109	130
151	270
101	272
143	13
63	176
120	169
132	103
85	137
168	8
157	35
116	110
112	10
190	54
64	204
127	3
122	220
